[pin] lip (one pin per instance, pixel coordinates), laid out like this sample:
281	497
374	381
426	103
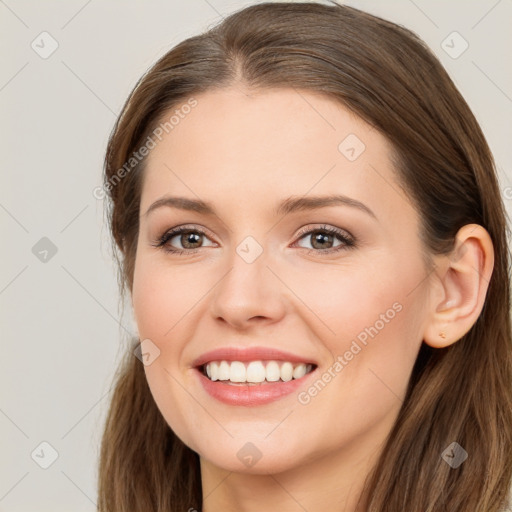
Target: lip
250	354
250	395
246	395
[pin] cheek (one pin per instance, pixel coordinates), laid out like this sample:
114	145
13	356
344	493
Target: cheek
161	296
387	328
372	320
343	302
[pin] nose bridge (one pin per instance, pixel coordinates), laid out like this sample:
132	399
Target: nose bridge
248	289
248	272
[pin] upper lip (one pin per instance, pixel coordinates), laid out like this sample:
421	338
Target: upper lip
249	354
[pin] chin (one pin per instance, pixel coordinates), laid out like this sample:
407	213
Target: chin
247	453
266	464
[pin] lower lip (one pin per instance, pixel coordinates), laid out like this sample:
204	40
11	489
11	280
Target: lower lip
258	394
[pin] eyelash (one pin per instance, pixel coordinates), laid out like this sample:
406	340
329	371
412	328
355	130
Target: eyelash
348	241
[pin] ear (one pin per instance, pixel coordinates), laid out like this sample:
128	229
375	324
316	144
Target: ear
459	287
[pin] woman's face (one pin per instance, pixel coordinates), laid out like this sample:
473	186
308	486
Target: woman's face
351	302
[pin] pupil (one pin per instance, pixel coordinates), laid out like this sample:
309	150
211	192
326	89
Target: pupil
190	238
322	238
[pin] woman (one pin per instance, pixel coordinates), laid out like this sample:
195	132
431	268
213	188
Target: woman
368	370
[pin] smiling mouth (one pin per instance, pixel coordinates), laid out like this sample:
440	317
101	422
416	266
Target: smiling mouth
254	373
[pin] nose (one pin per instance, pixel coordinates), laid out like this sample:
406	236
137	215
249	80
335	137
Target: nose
248	294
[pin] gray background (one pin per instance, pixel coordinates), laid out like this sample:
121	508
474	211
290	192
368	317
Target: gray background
60	323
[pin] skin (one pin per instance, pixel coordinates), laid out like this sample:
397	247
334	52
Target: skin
246	151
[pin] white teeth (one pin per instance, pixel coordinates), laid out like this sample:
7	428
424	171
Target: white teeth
224	371
272	371
299	371
286	371
237	372
214	372
256	371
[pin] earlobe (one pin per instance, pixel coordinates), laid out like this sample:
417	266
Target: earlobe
459	286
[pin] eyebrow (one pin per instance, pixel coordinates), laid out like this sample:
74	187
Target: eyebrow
290	205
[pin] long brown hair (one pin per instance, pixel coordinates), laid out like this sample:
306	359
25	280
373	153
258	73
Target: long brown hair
387	76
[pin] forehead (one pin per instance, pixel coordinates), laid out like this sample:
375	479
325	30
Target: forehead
252	149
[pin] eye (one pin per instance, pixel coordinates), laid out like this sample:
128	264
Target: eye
189	238
322	239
